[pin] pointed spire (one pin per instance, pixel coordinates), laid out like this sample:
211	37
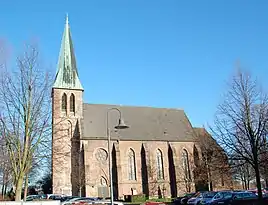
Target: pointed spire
67	75
67	19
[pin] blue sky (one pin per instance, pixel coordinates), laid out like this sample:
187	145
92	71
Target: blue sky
163	53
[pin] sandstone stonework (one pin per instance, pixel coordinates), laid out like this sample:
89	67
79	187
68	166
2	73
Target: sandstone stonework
66	135
158	156
95	171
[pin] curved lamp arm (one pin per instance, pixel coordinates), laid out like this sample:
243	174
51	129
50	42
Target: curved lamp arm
107	116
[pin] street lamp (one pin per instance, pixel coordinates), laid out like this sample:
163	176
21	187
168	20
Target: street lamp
121	125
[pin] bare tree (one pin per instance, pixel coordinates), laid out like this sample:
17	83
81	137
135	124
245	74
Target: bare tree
4	54
263	165
25	118
45	183
243	172
31	173
5	167
214	161
155	184
241	122
264	169
185	171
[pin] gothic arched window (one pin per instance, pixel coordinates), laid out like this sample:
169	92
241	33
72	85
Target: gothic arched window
185	165
103	181
64	102
131	165
159	164
72	103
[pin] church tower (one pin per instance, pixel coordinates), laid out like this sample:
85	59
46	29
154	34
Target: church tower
67	112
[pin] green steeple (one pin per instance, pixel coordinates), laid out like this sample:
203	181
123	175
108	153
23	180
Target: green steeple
67	75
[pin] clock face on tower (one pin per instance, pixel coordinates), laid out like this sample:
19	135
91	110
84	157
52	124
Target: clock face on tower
101	155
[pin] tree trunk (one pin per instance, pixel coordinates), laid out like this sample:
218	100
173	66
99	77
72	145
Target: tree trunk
3	188
242	183
5	191
19	188
6	184
26	187
209	176
3	184
258	181
211	186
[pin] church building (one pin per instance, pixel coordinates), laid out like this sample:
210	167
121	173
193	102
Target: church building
156	156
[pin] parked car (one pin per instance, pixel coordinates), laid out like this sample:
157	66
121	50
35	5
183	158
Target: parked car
202	196
89	202
226	198
79	200
185	198
55	196
255	191
107	202
67	199
33	197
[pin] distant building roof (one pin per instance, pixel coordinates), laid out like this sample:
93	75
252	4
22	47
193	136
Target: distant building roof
146	123
202	133
206	140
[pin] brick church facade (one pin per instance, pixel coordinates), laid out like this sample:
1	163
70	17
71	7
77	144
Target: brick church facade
158	155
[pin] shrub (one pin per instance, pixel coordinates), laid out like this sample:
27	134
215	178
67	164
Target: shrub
6	198
138	198
161	200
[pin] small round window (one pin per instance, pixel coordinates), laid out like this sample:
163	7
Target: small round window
101	155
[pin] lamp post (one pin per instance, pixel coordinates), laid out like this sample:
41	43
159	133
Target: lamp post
121	125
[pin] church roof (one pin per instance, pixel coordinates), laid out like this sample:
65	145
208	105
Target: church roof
67	75
146	123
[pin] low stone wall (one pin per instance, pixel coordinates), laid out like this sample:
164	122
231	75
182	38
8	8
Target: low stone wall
30	203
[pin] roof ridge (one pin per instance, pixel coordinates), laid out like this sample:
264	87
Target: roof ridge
134	106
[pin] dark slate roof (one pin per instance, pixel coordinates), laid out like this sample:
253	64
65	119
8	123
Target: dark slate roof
146	123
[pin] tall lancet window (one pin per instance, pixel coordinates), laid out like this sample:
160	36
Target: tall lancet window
64	103
159	165
72	103
131	165
185	165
